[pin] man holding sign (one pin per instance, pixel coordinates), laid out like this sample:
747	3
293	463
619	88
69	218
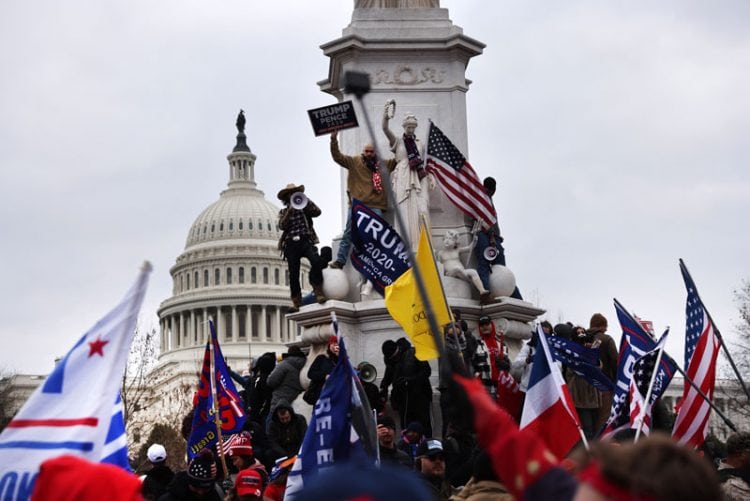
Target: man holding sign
363	183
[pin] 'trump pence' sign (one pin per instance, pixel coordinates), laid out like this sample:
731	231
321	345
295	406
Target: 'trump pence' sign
334	117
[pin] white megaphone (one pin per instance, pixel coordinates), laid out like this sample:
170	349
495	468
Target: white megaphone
298	200
490	253
367	372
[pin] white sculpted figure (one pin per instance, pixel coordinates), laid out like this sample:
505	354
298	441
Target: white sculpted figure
408	177
450	257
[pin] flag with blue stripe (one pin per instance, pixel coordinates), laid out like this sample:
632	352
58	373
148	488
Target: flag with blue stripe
341	427
77	410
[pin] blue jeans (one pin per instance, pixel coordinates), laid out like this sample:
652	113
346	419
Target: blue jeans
346	238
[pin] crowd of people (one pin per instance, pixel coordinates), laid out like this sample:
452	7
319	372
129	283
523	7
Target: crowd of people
479	454
473	450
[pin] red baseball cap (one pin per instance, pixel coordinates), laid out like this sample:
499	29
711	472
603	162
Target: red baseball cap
248	483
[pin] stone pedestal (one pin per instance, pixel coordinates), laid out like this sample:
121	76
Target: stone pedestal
417	57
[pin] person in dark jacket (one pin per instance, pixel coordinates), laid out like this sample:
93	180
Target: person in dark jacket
411	396
286	431
257	393
430	464
197	483
284	379
320	369
411	437
389	453
157	479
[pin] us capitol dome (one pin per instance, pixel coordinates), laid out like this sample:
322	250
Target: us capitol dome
230	271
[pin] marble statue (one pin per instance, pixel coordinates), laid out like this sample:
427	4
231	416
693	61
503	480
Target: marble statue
450	257
396	4
409	177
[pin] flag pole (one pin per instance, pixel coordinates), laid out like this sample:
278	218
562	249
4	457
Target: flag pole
683	267
687	378
215	403
421	288
554	368
432	255
642	412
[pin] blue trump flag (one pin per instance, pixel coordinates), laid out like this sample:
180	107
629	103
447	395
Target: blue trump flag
635	343
336	432
77	410
379	254
580	359
203	433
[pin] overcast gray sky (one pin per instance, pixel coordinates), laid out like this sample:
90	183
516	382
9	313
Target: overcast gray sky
618	132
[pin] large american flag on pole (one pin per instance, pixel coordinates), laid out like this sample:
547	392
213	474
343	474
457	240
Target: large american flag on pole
701	350
457	179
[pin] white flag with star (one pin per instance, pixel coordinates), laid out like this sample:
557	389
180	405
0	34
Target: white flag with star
76	410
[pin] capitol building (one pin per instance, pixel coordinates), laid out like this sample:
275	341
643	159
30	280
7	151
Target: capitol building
231	271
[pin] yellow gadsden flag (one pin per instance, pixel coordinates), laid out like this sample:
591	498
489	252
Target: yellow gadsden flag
405	306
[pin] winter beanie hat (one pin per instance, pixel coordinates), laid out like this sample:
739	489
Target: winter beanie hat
598	322
202	469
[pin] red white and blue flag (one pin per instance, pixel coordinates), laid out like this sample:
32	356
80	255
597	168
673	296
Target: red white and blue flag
228	403
701	350
77	410
634	343
643	374
548	409
342	427
457	179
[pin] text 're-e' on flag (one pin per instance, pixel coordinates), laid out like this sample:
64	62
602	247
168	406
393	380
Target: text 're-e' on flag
337	432
701	350
405	305
77	410
548	409
457	178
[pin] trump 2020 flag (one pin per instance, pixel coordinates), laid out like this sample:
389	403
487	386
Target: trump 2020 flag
635	343
548	409
203	433
646	384
379	254
332	436
77	410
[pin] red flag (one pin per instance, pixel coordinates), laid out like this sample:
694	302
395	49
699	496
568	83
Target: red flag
509	395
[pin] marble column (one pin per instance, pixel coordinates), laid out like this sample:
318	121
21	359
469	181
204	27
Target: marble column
277	324
235	325
219	323
193	329
262	325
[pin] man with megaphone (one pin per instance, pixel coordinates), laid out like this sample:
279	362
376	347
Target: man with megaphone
298	240
489	248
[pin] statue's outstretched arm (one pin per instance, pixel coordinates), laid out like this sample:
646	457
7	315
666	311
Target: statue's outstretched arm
388	133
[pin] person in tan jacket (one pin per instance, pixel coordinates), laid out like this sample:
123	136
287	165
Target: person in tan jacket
364	182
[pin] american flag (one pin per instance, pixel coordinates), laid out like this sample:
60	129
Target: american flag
643	371
457	179
701	350
580	359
